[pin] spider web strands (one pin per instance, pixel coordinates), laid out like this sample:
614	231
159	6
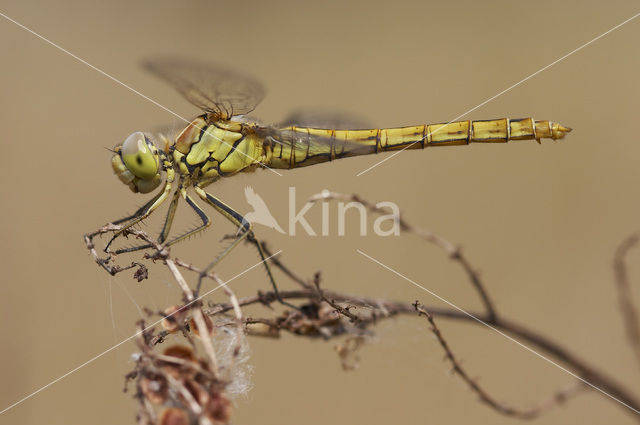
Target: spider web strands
114	79
110	349
530	76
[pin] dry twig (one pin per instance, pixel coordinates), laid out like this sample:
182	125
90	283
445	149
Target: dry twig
558	397
454	252
327	314
625	297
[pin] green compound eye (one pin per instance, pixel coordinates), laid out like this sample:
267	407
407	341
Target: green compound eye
139	156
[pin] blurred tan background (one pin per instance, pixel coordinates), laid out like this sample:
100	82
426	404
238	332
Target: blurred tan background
541	222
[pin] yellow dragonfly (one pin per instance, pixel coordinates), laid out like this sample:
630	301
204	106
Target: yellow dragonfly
222	142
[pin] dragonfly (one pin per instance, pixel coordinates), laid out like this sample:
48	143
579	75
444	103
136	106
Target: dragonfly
223	141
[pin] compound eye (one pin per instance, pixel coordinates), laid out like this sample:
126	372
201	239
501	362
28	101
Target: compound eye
139	156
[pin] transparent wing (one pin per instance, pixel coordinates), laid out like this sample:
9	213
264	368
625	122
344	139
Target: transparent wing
318	142
325	118
313	131
170	130
211	88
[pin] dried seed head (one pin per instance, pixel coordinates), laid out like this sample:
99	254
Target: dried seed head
328	314
262	329
218	408
154	388
208	322
197	391
173	416
180	351
175	318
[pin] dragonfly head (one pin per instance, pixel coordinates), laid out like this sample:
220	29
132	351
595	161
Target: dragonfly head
137	163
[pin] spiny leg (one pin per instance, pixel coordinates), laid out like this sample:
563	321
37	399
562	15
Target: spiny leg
166	227
146	209
138	211
206	221
171	212
244	227
244	231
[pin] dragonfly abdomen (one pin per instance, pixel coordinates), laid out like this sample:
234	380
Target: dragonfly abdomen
345	143
465	132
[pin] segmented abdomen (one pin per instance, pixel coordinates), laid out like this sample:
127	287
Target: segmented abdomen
326	145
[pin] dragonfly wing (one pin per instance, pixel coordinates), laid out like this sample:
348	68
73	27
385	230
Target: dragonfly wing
171	129
316	142
323	118
211	88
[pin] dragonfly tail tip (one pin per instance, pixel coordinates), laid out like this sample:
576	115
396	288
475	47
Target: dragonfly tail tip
558	131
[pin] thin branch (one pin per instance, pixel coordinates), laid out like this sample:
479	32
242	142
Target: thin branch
283	268
338	308
522	333
625	297
325	315
198	317
454	252
527	413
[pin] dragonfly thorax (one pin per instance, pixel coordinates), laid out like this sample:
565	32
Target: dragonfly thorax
208	149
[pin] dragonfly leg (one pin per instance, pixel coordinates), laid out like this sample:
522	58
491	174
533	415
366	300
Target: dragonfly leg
144	211
245	230
136	214
166	227
138	211
206	221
